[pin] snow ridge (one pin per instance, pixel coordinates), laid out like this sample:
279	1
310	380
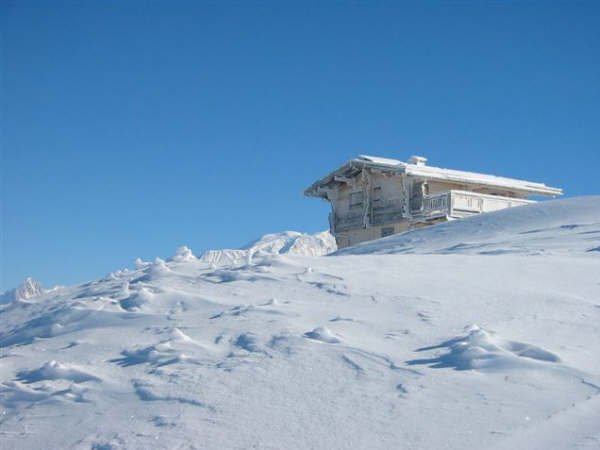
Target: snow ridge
284	243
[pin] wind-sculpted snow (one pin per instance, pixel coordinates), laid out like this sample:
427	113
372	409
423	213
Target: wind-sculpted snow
322	334
286	351
53	370
481	349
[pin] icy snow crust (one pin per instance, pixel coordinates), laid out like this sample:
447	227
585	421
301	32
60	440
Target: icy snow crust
422	349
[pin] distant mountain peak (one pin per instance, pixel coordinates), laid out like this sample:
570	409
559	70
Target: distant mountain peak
29	289
286	242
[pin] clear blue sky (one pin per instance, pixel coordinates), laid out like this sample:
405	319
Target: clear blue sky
129	128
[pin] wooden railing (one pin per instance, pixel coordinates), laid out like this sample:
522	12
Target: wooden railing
461	203
436	202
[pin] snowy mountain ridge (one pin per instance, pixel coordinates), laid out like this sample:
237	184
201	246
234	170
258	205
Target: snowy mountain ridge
287	242
489	344
29	289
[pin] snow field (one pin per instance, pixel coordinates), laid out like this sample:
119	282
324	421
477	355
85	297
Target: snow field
370	350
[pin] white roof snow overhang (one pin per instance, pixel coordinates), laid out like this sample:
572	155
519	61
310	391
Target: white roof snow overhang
347	170
353	166
479	179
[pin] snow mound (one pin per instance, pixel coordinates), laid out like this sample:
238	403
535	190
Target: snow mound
135	301
159	355
53	370
284	243
322	334
482	349
552	227
182	254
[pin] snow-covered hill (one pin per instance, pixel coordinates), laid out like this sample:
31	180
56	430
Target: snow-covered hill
481	333
555	227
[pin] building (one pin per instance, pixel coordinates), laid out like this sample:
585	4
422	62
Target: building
373	197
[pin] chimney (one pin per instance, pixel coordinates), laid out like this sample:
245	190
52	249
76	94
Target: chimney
418	160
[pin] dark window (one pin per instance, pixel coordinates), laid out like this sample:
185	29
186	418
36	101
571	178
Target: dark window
387	231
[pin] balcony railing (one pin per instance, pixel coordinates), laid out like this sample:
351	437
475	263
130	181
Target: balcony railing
456	203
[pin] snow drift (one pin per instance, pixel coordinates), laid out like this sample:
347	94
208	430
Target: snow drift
558	226
373	347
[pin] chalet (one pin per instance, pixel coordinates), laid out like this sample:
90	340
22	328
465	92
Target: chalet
373	197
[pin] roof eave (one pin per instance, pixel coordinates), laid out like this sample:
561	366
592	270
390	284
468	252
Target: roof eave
521	186
312	190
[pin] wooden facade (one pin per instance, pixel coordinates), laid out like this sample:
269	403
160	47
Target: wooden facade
374	197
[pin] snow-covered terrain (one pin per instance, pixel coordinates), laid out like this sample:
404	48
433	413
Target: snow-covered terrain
285	243
480	333
29	289
556	227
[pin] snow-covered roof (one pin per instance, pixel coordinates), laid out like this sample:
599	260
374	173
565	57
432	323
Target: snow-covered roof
421	170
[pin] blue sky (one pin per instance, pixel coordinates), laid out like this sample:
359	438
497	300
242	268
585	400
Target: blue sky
129	128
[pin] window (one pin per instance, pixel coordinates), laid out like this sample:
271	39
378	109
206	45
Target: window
356	199
377	201
387	231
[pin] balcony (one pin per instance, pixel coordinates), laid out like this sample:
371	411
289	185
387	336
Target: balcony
458	204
